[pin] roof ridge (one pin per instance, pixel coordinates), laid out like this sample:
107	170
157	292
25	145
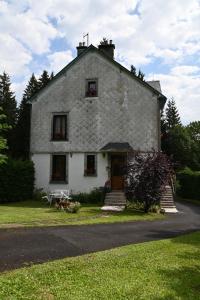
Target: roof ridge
92	47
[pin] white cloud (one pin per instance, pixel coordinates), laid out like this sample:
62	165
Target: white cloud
59	60
183	83
13	56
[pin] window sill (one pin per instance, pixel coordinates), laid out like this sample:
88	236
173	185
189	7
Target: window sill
91	97
59	140
88	175
58	182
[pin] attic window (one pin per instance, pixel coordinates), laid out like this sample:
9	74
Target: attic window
91	88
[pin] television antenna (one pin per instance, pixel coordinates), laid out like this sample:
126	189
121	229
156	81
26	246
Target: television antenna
84	36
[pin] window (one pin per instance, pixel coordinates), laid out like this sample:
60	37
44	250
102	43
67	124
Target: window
90	165
91	88
58	168
59	127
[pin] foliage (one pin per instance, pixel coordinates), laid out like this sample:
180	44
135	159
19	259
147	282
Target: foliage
172	115
38	194
147	175
3	142
44	79
104	41
181	143
95	196
133	69
182	148
194	131
16	180
73	207
9	106
140	74
22	132
189	184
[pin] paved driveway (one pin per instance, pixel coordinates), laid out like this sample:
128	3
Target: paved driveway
23	246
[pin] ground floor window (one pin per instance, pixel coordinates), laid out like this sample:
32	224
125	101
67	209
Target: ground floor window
59	168
90	165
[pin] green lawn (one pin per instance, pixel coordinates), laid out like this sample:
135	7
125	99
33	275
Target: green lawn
33	213
161	270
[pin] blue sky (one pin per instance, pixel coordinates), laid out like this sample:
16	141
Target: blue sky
160	37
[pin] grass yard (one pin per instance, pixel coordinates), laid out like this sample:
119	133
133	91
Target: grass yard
33	213
162	270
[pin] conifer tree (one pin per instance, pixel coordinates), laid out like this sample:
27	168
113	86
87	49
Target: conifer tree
9	106
141	75
3	143
23	125
133	69
44	79
172	115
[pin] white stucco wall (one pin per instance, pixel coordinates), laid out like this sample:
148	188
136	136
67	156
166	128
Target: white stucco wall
77	182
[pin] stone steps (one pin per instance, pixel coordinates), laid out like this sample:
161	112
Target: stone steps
167	200
114	201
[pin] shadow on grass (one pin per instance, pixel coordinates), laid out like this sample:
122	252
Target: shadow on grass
183	279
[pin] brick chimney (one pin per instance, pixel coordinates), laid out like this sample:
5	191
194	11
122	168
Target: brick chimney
81	48
107	48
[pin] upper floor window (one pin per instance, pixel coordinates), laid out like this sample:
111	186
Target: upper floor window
91	88
59	127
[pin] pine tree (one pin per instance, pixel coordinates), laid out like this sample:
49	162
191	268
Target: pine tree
141	75
133	69
23	125
9	106
172	115
44	79
3	143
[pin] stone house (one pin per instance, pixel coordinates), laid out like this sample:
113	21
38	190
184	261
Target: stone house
86	120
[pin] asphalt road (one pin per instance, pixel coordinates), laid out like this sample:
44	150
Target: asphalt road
24	246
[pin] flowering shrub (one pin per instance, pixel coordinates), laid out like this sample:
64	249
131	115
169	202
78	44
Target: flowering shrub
146	175
73	207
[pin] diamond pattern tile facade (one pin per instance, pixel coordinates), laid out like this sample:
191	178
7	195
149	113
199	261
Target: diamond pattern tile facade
124	111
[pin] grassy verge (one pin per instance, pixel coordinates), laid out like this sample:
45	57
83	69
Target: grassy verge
167	269
33	213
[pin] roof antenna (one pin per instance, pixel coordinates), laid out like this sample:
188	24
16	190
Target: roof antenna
84	35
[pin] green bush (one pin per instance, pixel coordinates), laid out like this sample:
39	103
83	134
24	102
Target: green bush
189	184
73	207
16	180
95	196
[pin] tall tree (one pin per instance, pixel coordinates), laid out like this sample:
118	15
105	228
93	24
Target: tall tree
3	142
172	115
9	106
141	75
133	69
23	124
44	79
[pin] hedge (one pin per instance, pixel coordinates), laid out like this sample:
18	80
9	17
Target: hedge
189	184
16	180
97	195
